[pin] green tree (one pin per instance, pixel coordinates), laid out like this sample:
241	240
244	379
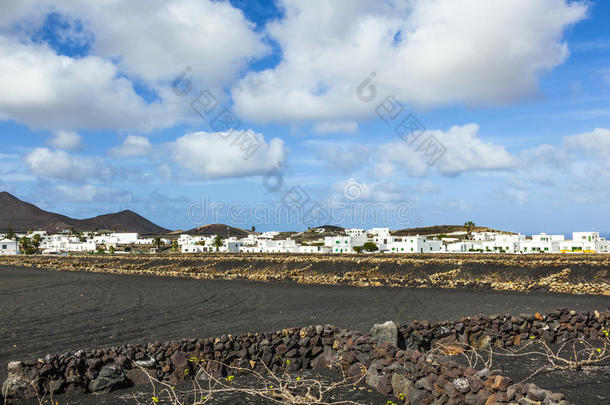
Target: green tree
358	249
158	242
370	247
468	227
217	242
101	249
112	250
26	246
36	240
175	246
253	229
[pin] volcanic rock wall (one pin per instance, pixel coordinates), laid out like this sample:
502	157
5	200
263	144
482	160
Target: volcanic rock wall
394	360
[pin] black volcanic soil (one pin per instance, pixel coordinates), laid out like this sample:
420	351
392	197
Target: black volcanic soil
56	311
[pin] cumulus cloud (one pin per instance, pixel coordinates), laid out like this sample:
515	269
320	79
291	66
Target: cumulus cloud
132	146
424	52
336	127
66	140
58	164
213	155
89	193
595	144
464	151
345	158
43	89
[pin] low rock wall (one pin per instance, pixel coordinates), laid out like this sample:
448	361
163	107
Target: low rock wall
393	359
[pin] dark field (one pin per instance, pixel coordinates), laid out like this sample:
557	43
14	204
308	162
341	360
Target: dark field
43	311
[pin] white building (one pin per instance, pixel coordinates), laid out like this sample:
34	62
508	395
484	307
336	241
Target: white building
582	242
344	244
483	235
355	232
414	244
541	243
314	249
125	238
8	247
379	231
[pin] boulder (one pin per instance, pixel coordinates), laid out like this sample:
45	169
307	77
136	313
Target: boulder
110	378
21	382
385	332
401	385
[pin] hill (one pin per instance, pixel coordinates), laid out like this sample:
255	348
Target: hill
123	221
23	216
219	229
441	229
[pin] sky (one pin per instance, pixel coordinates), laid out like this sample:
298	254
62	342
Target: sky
287	114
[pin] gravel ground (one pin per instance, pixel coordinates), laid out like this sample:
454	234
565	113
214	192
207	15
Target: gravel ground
52	312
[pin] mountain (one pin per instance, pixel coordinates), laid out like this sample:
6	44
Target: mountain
23	216
440	229
218	229
124	220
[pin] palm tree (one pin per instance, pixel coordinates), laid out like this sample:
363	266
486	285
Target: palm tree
468	227
36	240
158	242
253	229
217	242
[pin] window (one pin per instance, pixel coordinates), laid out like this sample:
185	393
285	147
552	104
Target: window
4	247
338	242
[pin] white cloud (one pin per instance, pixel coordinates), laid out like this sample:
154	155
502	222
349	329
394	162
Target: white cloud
211	37
594	144
42	89
221	155
513	195
346	159
89	193
45	90
132	146
423	52
61	165
66	140
335	127
465	151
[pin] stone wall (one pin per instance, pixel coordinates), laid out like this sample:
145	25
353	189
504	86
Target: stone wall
393	357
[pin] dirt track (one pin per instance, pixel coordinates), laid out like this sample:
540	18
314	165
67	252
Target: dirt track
48	311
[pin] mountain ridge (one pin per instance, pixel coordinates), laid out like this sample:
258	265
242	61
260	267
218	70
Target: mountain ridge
24	216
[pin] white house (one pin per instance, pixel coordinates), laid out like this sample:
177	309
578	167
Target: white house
414	244
125	238
483	235
355	232
582	242
8	247
541	243
344	244
313	249
379	231
462	246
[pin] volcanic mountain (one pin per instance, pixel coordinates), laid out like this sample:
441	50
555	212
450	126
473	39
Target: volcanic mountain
219	229
23	216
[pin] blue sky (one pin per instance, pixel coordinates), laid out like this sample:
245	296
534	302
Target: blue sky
513	96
